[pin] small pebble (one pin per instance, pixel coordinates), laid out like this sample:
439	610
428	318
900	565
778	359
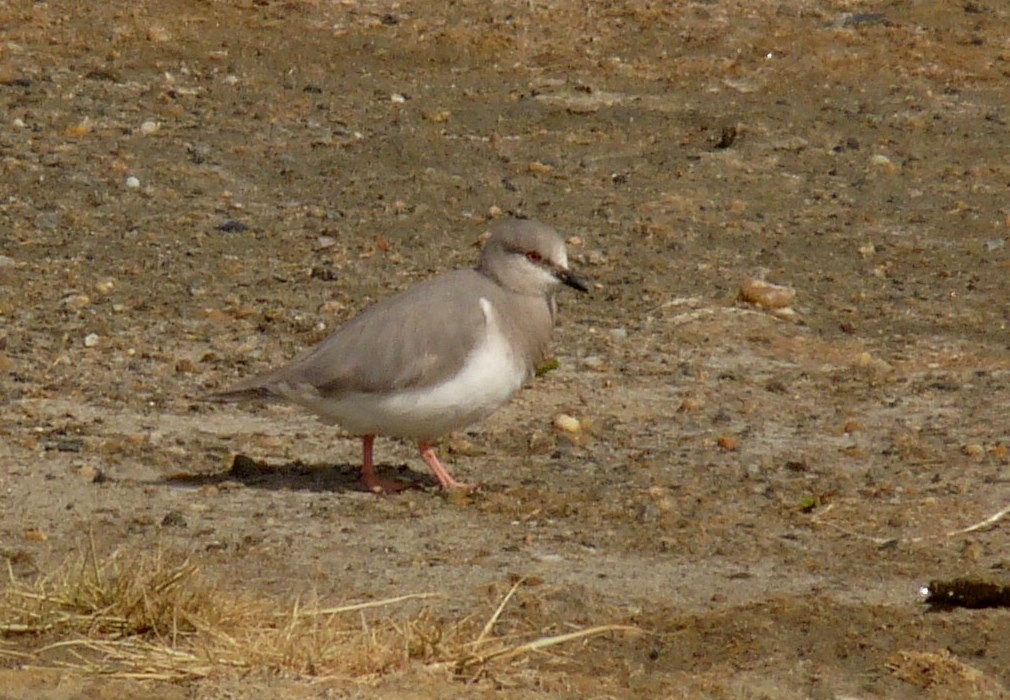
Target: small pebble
324	242
132	182
18	123
91	340
728	443
149	127
567	423
105	286
76	301
974	450
174	518
766	294
439	116
397	98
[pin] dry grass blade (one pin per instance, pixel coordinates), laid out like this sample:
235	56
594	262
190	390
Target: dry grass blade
365	606
498	611
890	541
542	643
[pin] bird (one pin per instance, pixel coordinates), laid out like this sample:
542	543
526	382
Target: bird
435	358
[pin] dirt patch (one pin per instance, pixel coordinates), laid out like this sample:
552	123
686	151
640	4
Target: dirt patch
195	191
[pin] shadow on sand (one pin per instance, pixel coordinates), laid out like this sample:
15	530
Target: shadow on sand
299	476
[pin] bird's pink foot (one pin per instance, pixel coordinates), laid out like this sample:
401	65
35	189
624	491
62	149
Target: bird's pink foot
443	476
372	481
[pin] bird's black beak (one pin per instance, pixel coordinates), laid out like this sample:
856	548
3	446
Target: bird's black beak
571	280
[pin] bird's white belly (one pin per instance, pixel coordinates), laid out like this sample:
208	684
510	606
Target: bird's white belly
489	376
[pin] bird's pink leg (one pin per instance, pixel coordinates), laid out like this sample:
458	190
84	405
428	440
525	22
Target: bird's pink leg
444	477
369	478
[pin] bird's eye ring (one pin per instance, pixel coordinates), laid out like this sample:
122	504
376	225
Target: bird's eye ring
533	256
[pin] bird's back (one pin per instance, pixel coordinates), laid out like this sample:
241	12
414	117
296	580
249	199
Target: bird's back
420	337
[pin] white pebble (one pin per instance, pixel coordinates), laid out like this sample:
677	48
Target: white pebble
132	182
91	340
567	423
149	127
397	98
18	123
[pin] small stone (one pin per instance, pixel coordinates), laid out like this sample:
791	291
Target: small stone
852	426
690	406
93	474
766	294
105	287
974	450
884	163
457	444
132	182
567	424
494	211
158	34
397	98
91	340
35	535
81	128
149	127
728	443
540	168
439	116
76	301
174	518
324	242
18	123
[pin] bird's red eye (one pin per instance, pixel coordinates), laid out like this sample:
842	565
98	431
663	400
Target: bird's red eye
533	256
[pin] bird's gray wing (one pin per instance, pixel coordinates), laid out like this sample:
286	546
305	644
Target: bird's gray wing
417	338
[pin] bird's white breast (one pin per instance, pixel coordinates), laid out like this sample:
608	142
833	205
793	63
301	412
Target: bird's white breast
491	373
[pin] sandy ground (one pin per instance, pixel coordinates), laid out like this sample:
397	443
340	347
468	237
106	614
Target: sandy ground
194	191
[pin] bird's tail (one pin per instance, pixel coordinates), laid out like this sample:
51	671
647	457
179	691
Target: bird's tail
250	390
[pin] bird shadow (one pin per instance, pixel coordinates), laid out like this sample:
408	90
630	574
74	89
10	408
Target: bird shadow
299	476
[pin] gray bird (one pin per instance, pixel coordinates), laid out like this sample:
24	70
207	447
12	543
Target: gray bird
434	358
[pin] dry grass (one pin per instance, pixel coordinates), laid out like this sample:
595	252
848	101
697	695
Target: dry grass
152	615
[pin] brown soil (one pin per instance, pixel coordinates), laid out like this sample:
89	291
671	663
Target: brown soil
762	496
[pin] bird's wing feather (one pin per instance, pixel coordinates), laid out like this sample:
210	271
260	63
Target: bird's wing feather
414	339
